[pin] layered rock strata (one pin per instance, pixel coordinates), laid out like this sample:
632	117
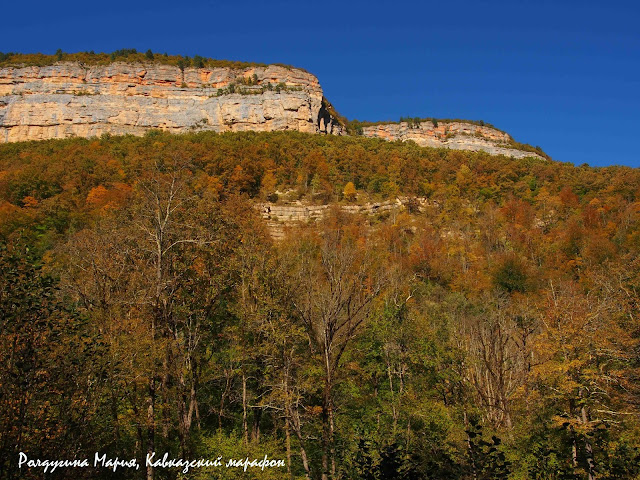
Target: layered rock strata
454	135
70	99
279	217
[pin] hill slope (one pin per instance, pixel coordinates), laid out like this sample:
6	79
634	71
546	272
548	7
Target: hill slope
426	313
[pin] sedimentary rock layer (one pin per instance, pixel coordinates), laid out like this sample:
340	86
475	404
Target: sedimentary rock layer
69	99
454	135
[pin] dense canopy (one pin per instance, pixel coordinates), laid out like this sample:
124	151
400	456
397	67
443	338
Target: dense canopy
485	328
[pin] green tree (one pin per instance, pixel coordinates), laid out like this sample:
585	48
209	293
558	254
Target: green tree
336	281
45	365
198	61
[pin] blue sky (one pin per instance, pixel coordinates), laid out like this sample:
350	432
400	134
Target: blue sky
564	75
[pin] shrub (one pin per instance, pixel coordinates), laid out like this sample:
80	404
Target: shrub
198	61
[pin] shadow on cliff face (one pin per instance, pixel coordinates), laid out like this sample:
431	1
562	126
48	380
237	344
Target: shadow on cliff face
328	116
325	117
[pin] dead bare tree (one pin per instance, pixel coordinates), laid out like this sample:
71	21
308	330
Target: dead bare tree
337	282
497	341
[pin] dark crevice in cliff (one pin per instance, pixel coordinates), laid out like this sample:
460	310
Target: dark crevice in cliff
328	116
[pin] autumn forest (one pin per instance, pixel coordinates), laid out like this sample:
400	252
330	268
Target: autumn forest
486	327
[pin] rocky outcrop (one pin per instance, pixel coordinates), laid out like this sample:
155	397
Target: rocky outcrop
70	99
280	217
454	135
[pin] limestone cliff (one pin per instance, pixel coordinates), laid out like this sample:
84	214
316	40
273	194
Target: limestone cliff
454	135
68	99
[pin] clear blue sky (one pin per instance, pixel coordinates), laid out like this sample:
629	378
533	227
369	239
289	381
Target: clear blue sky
564	75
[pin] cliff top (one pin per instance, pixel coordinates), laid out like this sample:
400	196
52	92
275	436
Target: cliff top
415	121
208	78
355	127
13	59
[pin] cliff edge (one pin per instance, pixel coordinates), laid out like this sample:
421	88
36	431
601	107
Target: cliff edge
66	99
71	99
456	135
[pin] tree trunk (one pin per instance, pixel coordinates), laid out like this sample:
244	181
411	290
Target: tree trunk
574	450
245	426
394	412
470	448
151	425
328	429
295	421
255	431
114	416
223	396
186	407
327	420
332	446
287	437
587	445
325	444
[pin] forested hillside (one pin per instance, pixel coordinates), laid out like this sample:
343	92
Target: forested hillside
486	329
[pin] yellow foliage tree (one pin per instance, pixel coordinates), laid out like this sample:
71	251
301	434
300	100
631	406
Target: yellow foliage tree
268	184
349	191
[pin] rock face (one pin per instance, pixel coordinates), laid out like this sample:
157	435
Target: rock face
69	99
454	135
280	217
